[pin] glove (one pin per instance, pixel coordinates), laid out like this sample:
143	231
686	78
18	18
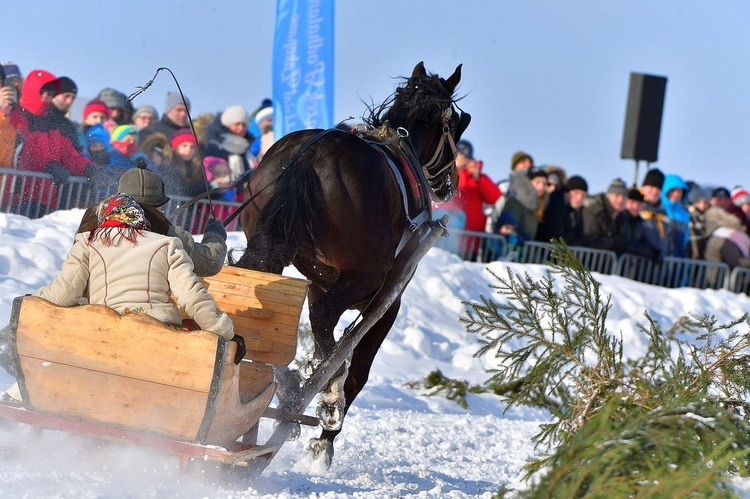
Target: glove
240	354
216	226
59	173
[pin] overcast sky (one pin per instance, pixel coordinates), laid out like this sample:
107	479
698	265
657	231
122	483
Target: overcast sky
544	76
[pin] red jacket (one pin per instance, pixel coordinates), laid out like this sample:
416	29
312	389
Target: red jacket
473	194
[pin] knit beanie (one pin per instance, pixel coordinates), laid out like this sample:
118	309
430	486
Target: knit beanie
577	183
112	98
720	192
740	196
173	98
264	114
145	108
506	218
98	133
11	70
68	86
234	114
95	106
465	148
635	194
618	186
209	162
183	135
654	178
121	131
536	172
696	194
518	157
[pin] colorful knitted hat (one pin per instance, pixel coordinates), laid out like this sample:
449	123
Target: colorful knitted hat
95	106
740	196
183	135
121	131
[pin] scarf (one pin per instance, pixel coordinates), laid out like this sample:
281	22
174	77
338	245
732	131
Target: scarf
119	216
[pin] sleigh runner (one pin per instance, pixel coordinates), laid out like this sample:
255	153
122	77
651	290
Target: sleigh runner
89	370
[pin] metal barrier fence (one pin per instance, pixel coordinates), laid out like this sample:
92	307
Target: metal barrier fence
17	186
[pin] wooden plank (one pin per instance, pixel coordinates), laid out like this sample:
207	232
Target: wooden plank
255	276
259	296
48	332
113	400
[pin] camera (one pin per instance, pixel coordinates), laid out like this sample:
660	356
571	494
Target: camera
10	84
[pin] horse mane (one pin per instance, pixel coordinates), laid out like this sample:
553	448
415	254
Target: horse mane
420	98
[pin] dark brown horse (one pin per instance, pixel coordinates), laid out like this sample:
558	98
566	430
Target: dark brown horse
346	209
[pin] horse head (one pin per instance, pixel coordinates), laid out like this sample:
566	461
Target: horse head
426	108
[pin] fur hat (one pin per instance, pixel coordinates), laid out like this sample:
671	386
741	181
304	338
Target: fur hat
618	186
68	86
182	135
654	178
740	196
95	106
173	98
234	114
635	195
518	157
577	183
112	98
465	148
145	186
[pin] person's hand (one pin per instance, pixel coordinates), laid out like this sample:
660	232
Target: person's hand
59	173
7	98
473	167
216	226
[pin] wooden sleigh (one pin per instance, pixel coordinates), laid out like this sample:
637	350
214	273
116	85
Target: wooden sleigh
131	378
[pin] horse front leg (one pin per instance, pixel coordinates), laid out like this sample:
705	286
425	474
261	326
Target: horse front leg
321	449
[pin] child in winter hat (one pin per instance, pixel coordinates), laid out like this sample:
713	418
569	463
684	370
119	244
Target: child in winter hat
125	139
95	112
219	175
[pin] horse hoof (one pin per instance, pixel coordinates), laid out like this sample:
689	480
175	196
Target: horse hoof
331	415
320	451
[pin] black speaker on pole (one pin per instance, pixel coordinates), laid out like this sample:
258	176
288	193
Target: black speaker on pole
640	140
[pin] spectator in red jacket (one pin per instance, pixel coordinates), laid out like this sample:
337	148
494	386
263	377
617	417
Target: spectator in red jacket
45	149
475	189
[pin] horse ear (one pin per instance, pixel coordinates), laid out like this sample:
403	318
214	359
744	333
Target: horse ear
452	82
419	70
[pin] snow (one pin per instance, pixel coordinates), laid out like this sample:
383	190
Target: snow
396	441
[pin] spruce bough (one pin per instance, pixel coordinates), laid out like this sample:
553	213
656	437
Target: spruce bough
670	423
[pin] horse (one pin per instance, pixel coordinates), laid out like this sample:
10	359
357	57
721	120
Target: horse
347	207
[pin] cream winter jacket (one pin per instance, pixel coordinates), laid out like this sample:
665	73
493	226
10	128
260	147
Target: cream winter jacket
137	278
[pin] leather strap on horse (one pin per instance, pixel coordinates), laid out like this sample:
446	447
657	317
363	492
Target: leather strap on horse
286	165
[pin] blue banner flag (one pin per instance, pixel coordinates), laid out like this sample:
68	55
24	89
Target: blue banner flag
303	65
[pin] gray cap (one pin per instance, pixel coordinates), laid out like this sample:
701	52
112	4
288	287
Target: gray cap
145	186
112	98
618	186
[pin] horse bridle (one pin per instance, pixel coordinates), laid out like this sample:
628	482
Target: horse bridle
441	177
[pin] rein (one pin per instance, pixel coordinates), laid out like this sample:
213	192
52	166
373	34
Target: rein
286	165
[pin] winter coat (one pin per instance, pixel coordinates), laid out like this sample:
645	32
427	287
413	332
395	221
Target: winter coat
601	228
234	149
137	278
472	195
661	232
675	210
573	226
207	256
726	242
58	120
552	225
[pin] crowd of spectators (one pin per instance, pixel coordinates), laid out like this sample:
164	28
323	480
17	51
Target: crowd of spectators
39	134
666	216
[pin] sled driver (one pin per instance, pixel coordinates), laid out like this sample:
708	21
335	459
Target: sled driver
130	269
147	188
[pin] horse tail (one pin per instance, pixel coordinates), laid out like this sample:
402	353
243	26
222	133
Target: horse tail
289	216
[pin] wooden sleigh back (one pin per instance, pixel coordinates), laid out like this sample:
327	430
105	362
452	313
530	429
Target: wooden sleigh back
134	372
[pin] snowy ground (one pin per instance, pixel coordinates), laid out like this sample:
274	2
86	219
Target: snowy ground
396	442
